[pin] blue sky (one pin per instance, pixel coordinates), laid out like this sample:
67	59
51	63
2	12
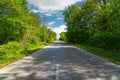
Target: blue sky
53	9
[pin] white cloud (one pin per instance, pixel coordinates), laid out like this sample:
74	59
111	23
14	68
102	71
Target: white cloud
52	5
59	18
51	23
60	29
48	14
35	11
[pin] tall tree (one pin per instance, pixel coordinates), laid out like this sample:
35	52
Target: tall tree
98	23
12	25
72	18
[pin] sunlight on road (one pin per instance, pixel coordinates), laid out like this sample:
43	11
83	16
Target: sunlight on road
60	61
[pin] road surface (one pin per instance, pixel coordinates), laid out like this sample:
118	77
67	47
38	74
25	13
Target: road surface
60	61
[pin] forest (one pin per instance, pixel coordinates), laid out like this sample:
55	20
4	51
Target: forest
95	23
20	31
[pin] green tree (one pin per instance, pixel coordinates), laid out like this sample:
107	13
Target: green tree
72	17
63	36
94	23
12	26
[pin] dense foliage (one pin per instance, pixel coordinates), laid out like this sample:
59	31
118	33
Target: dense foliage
63	36
20	30
96	23
17	23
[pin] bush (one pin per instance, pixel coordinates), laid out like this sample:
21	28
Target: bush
109	41
10	48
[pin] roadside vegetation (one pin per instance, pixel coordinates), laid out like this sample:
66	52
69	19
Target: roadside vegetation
112	56
63	36
95	25
21	32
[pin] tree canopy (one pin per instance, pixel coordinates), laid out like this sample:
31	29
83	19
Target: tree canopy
18	23
94	23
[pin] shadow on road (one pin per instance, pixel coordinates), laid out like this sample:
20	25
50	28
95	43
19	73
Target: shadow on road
60	61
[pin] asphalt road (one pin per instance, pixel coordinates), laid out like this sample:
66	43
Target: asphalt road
60	61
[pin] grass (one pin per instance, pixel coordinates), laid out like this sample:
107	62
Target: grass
112	56
13	51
